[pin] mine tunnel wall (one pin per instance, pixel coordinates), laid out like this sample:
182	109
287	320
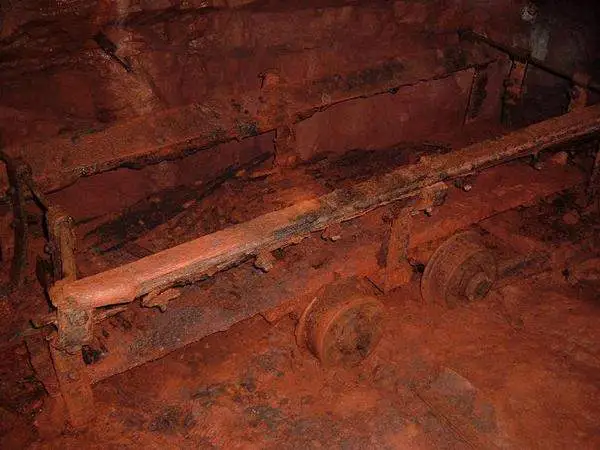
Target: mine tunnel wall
57	79
60	79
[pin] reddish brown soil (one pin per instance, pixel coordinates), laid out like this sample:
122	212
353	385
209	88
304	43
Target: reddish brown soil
537	364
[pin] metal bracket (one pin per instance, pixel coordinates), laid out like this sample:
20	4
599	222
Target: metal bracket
62	243
286	154
431	197
74	328
515	82
579	92
398	270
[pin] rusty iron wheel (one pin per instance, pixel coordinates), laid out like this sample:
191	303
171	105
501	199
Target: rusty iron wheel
342	325
461	270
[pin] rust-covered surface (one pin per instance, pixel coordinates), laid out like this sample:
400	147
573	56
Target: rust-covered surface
266	193
219	118
461	270
215	305
220	250
87	88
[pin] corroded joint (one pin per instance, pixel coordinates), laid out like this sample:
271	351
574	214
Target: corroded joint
431	196
57	294
74	328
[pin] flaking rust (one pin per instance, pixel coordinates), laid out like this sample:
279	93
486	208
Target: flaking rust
278	229
153	278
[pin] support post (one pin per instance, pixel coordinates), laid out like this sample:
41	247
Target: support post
398	271
285	147
75	385
19	173
579	92
514	85
74	324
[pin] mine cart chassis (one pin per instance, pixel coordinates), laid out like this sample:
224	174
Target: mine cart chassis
339	313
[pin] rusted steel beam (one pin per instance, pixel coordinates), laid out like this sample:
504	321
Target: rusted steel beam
226	248
75	384
228	115
205	309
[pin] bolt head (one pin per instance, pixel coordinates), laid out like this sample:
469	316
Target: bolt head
478	286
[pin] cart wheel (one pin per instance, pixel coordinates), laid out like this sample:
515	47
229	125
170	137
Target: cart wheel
461	270
342	325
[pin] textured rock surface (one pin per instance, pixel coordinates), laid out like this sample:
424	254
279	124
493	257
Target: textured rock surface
57	79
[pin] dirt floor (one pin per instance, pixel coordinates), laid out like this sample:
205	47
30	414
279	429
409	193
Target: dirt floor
532	374
519	370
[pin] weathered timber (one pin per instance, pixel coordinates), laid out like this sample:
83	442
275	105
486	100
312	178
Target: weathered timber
225	248
148	139
207	308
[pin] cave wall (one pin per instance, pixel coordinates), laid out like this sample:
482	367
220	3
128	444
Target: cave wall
73	68
57	79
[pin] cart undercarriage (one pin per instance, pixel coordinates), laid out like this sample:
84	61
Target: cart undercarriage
308	260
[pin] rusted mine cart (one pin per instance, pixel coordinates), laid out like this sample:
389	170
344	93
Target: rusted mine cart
412	217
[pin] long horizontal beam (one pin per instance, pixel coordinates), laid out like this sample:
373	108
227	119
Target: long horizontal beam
200	310
57	163
228	247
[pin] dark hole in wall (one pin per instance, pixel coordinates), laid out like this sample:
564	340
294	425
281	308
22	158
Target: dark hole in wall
565	35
